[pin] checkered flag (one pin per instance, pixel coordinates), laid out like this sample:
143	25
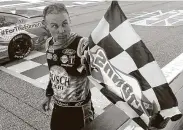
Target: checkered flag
129	75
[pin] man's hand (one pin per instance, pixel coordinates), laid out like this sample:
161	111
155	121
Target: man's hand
157	121
46	104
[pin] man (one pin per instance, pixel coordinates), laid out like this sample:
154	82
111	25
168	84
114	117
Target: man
68	83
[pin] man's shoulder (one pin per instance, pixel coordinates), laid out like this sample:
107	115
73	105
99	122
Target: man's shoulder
47	43
82	46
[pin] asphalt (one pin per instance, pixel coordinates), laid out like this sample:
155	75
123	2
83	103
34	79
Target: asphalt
20	102
164	42
21	107
167	41
177	88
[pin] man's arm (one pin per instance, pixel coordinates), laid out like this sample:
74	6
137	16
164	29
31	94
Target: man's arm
47	43
82	52
82	46
49	94
49	90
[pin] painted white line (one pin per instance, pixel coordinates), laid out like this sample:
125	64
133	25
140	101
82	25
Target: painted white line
158	11
167	24
45	64
24	66
174	68
34	54
12	5
179	21
143	22
44	79
39	7
13	11
172	11
32	1
140	13
42	7
5	1
99	105
171	71
84	3
69	6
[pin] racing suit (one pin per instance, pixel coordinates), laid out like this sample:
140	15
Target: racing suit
69	88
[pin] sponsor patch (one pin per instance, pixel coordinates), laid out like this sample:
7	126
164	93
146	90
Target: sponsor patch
71	59
51	49
64	59
68	51
55	57
49	56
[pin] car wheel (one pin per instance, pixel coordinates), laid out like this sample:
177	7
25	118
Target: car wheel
20	46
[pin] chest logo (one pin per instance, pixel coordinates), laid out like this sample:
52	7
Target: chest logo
64	59
69	52
51	49
55	57
49	56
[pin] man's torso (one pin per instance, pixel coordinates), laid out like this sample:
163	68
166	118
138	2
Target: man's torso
68	83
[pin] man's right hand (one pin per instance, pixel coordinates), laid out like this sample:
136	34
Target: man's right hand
46	104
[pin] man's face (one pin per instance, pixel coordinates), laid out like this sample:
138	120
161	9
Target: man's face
59	26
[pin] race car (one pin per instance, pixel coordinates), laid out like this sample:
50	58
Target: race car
22	31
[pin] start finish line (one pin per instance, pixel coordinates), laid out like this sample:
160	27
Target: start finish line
159	18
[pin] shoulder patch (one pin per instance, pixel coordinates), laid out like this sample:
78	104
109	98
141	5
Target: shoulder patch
83	44
47	43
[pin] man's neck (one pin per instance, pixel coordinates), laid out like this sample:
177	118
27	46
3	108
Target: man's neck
70	39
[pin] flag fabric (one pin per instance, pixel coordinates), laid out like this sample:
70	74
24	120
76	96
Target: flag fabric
126	69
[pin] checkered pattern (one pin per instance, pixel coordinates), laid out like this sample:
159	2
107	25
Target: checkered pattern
128	55
34	68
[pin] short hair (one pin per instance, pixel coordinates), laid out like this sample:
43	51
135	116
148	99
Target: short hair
54	9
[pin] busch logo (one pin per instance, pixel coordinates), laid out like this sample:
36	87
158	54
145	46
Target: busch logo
111	77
